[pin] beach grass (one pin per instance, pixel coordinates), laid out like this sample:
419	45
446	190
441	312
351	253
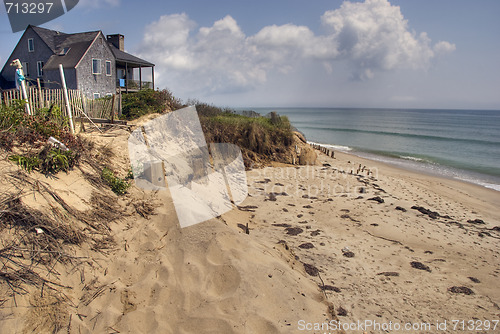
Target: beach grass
232	119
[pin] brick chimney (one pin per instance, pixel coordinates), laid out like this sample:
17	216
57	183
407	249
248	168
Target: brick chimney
117	40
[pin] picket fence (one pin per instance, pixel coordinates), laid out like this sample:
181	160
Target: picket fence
104	108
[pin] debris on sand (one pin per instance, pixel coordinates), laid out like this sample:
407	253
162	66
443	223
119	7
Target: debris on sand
420	265
283	242
244	228
272	197
347	252
461	289
430	213
346	216
310	269
377	199
341	312
389	273
248	208
329	288
282	225
294	230
315	233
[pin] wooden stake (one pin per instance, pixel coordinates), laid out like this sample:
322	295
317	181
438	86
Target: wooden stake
113	109
68	106
40	95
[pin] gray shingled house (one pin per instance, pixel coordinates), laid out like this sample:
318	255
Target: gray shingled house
96	65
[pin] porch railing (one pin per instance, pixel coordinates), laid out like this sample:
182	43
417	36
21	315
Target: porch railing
133	84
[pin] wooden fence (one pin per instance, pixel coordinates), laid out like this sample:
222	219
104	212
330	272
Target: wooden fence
44	98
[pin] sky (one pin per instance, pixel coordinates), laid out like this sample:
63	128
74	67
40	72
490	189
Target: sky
306	53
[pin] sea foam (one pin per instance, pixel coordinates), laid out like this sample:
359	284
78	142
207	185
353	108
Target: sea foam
332	147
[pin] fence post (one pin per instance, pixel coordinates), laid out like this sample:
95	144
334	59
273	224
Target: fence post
41	102
84	103
68	106
120	102
113	109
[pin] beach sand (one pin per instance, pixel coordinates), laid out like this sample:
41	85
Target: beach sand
318	249
386	221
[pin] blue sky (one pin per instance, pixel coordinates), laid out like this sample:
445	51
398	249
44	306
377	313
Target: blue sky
371	53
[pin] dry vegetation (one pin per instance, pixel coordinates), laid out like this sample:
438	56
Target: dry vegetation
42	237
40	233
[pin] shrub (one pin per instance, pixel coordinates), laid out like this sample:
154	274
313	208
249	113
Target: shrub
54	160
119	186
208	110
6	140
259	135
49	161
148	101
28	163
17	126
13	115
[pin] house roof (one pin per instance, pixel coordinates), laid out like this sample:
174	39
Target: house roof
65	40
47	35
122	56
68	60
77	45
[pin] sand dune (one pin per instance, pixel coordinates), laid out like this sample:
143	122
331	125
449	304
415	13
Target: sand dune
155	277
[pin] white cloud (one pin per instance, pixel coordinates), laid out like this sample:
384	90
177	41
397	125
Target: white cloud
167	42
372	36
216	58
375	36
442	48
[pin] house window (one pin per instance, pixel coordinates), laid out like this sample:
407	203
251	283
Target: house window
64	51
96	66
108	67
26	69
31	45
97	95
39	68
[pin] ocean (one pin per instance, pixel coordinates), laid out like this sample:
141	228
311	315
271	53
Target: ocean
459	144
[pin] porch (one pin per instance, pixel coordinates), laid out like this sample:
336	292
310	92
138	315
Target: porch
133	73
130	85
